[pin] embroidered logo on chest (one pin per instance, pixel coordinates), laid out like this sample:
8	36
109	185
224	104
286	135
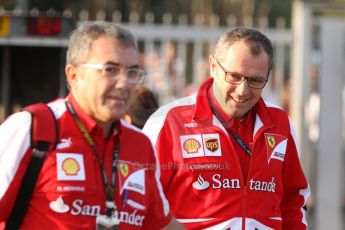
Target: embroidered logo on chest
276	146
199	145
131	177
70	166
64	143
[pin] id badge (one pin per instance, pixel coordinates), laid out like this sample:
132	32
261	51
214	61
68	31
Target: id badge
104	222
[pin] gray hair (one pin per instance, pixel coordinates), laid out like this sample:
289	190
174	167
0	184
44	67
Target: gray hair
81	39
255	40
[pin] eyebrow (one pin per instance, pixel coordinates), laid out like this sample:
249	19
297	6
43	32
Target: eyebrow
118	64
241	75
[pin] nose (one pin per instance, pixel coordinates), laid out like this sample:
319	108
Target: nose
121	81
243	88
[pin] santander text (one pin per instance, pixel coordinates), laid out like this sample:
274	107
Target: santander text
225	183
262	185
79	208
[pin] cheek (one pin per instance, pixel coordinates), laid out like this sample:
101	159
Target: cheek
219	90
229	90
101	85
220	84
96	92
256	94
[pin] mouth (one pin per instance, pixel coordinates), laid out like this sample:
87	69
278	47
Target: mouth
239	100
117	99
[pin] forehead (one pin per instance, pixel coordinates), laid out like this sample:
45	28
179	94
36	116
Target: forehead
244	48
239	57
108	49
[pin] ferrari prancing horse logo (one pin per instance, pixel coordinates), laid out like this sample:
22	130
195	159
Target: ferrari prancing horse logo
124	169
276	146
271	141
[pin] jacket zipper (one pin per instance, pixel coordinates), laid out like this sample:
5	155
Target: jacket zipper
241	174
244	207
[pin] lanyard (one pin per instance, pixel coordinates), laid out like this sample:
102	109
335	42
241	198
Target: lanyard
241	143
109	187
237	138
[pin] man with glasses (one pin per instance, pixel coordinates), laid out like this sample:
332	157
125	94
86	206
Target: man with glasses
102	173
231	157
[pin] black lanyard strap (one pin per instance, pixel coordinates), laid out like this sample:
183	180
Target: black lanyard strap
241	143
109	187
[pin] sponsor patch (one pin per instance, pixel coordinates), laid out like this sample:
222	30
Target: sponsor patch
124	169
199	145
79	207
271	141
70	166
70	188
208	166
191	146
211	144
276	146
190	125
266	186
131	178
64	143
58	205
217	182
201	183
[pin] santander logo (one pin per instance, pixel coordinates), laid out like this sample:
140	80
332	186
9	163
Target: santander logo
218	182
201	184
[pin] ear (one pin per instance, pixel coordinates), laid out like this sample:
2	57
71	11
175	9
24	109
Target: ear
212	63
128	119
71	74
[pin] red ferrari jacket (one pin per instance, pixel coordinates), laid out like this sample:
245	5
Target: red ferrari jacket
69	193
201	173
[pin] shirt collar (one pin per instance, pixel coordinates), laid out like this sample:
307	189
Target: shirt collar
247	121
261	110
202	111
88	121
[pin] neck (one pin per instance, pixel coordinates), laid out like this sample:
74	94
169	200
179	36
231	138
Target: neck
218	111
107	128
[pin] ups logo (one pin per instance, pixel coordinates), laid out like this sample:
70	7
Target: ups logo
212	144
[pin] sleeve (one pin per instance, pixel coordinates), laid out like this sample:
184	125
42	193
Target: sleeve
296	190
165	158
157	131
14	157
160	214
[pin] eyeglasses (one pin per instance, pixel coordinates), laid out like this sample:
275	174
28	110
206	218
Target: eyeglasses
236	79
111	71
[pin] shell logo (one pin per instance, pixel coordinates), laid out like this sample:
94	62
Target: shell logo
191	145
70	166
